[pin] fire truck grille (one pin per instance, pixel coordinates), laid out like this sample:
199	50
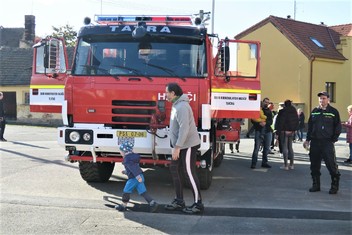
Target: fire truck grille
130	112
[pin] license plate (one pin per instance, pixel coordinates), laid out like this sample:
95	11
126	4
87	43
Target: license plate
132	134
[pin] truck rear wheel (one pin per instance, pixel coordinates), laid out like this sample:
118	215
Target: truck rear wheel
96	172
205	176
221	152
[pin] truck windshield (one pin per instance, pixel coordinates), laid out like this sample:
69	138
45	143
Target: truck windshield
163	57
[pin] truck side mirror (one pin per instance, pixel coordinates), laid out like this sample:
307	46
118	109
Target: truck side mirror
225	58
46	56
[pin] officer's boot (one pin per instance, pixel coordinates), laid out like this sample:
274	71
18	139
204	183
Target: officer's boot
316	184
334	184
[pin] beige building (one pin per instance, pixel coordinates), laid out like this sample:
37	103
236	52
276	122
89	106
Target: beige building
300	59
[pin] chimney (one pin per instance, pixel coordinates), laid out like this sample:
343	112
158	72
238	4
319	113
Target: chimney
29	28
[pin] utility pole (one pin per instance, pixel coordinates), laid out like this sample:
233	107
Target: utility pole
294	10
212	16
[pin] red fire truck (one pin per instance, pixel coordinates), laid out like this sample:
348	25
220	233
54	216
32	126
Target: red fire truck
115	89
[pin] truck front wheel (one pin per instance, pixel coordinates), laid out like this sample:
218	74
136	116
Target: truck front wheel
96	172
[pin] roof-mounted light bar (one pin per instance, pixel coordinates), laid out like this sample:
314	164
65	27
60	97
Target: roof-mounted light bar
153	19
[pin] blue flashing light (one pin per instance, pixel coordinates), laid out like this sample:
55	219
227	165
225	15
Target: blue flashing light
134	18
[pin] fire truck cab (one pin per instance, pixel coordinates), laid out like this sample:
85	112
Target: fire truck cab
115	89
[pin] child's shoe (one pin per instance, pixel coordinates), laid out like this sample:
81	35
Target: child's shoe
153	206
120	207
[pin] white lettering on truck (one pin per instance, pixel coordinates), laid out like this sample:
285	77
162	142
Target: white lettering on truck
154	29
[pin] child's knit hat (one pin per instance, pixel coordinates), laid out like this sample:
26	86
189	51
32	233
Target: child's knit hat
126	147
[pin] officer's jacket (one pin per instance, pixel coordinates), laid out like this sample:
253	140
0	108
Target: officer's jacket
324	124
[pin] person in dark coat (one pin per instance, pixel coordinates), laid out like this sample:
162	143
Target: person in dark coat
286	125
301	124
324	129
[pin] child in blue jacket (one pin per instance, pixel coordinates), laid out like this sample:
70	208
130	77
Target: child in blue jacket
135	177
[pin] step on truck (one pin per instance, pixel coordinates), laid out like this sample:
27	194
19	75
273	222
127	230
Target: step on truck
114	89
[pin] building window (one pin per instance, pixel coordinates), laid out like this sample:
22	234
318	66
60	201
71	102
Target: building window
316	42
253	48
26	98
330	88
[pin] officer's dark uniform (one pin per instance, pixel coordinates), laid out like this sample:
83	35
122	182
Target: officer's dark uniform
324	128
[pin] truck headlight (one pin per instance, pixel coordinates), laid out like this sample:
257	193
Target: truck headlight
86	136
74	136
79	136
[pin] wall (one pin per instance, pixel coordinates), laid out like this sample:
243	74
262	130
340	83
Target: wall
285	71
24	116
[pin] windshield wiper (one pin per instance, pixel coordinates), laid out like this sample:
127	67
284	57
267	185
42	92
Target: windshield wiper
169	71
105	71
134	71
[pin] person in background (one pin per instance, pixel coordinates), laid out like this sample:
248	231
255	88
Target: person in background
237	145
263	136
225	124
277	137
185	142
250	131
261	119
348	126
324	129
2	118
285	126
301	124
135	177
272	145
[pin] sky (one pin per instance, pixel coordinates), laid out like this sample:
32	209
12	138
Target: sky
230	17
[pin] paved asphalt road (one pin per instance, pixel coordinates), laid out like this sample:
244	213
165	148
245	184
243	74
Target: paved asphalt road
43	194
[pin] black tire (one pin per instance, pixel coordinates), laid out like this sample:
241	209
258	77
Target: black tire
221	148
96	172
205	176
218	160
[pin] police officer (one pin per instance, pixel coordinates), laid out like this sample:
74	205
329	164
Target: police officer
324	128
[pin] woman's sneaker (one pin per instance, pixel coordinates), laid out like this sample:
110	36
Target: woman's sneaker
175	205
284	167
196	208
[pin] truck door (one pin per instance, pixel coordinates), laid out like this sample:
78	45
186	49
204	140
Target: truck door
236	85
48	76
